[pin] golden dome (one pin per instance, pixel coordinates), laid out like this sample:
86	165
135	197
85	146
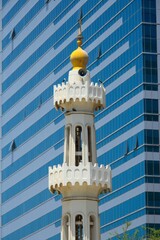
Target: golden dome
79	58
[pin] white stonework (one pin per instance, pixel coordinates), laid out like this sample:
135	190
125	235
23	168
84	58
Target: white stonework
77	91
80	180
63	177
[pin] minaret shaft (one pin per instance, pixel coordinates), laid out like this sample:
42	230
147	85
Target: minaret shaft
79	139
80	180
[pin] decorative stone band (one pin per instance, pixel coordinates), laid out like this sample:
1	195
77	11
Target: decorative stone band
88	92
72	176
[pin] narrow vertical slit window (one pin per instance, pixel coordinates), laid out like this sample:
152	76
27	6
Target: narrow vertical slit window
67	144
136	143
12	34
39	101
65	228
89	144
78	145
12	146
79	227
126	149
99	53
92	227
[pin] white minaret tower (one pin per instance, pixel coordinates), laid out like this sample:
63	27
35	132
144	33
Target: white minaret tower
80	180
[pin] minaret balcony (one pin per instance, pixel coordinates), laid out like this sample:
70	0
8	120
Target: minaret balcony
72	95
77	180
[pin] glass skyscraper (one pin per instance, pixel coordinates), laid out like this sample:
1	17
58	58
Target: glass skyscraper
122	38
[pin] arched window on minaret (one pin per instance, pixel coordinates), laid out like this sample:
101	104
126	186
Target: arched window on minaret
67	144
79	227
92	227
78	145
65	227
89	144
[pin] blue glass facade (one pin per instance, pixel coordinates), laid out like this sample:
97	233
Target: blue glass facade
32	132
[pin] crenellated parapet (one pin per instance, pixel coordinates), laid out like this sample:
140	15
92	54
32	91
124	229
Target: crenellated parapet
62	176
86	92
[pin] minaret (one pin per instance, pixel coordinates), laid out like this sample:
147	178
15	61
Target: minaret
80	180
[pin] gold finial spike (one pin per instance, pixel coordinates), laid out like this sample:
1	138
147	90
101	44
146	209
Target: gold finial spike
81	14
79	58
79	37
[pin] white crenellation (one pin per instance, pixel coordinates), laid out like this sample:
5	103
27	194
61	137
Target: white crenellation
62	175
88	92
